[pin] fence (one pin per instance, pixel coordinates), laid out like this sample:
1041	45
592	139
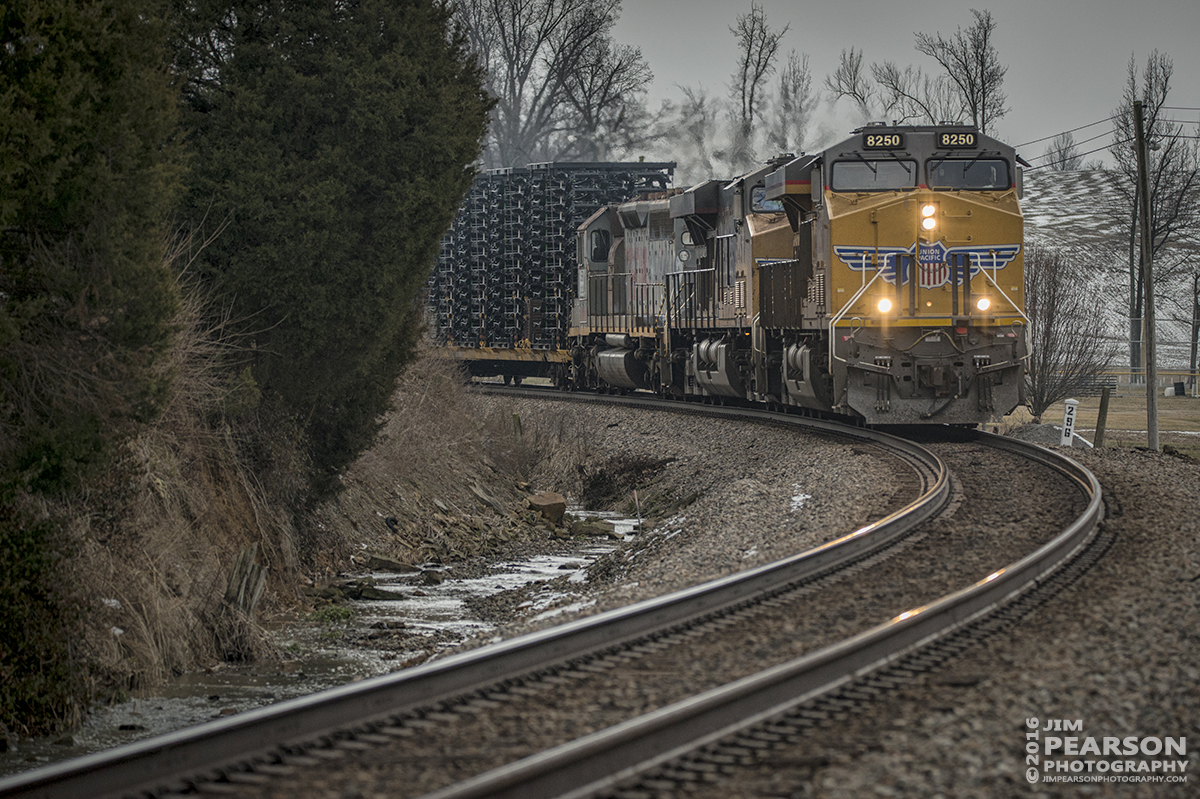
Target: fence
1128	381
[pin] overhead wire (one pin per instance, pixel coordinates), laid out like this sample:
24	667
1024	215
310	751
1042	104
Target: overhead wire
1072	130
1080	155
1085	141
1179	135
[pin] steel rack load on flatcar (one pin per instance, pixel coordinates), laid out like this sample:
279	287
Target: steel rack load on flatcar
880	279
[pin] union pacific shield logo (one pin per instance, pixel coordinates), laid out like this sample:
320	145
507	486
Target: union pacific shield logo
934	270
933	261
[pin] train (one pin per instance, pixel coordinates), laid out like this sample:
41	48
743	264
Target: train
879	280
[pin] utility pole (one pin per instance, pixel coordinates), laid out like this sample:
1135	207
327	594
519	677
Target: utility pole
1147	282
1195	339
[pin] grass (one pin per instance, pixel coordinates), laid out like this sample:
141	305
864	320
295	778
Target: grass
333	614
1178	420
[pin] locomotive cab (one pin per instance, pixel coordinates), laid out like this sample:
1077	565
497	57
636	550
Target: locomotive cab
915	277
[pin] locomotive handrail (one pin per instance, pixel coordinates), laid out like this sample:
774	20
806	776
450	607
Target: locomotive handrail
682	291
638	303
992	279
833	322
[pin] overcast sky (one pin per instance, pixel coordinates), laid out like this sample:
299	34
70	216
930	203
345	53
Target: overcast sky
1067	59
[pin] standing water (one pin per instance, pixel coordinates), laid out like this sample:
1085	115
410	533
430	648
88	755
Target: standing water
430	619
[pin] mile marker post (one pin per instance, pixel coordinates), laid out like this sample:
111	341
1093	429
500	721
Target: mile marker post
1070	407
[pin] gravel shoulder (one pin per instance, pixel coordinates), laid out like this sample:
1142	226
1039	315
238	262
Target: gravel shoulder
728	496
1118	652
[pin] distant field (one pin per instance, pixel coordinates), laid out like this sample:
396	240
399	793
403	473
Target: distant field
1178	420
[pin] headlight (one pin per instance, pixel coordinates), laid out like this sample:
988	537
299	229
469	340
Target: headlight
983	304
885	305
684	255
927	211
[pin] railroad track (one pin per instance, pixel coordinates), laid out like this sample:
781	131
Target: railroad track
254	747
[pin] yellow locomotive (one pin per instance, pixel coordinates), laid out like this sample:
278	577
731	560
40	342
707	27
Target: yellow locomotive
881	279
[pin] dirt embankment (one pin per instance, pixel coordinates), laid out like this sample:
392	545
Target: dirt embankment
153	550
449	478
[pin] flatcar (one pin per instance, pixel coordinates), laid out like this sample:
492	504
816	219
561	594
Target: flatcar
880	279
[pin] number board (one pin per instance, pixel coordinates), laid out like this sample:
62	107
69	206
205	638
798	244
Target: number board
883	141
950	140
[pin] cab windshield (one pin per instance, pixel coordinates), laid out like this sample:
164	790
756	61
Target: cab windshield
873	175
759	203
978	174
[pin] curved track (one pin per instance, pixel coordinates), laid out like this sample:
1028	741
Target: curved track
727	723
246	748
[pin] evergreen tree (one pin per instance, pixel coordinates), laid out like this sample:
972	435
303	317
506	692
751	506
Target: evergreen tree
87	116
334	142
87	174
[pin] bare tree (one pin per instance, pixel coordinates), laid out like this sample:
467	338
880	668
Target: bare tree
903	95
972	63
1173	167
1194	338
970	86
1062	154
758	46
558	79
604	96
1068	342
1183	307
793	107
695	124
851	81
912	96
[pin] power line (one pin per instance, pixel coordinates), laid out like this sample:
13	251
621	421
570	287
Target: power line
1081	155
1098	150
1111	118
1072	130
1177	135
1179	122
1097	136
1085	141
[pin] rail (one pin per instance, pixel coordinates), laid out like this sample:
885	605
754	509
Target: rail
601	761
231	745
